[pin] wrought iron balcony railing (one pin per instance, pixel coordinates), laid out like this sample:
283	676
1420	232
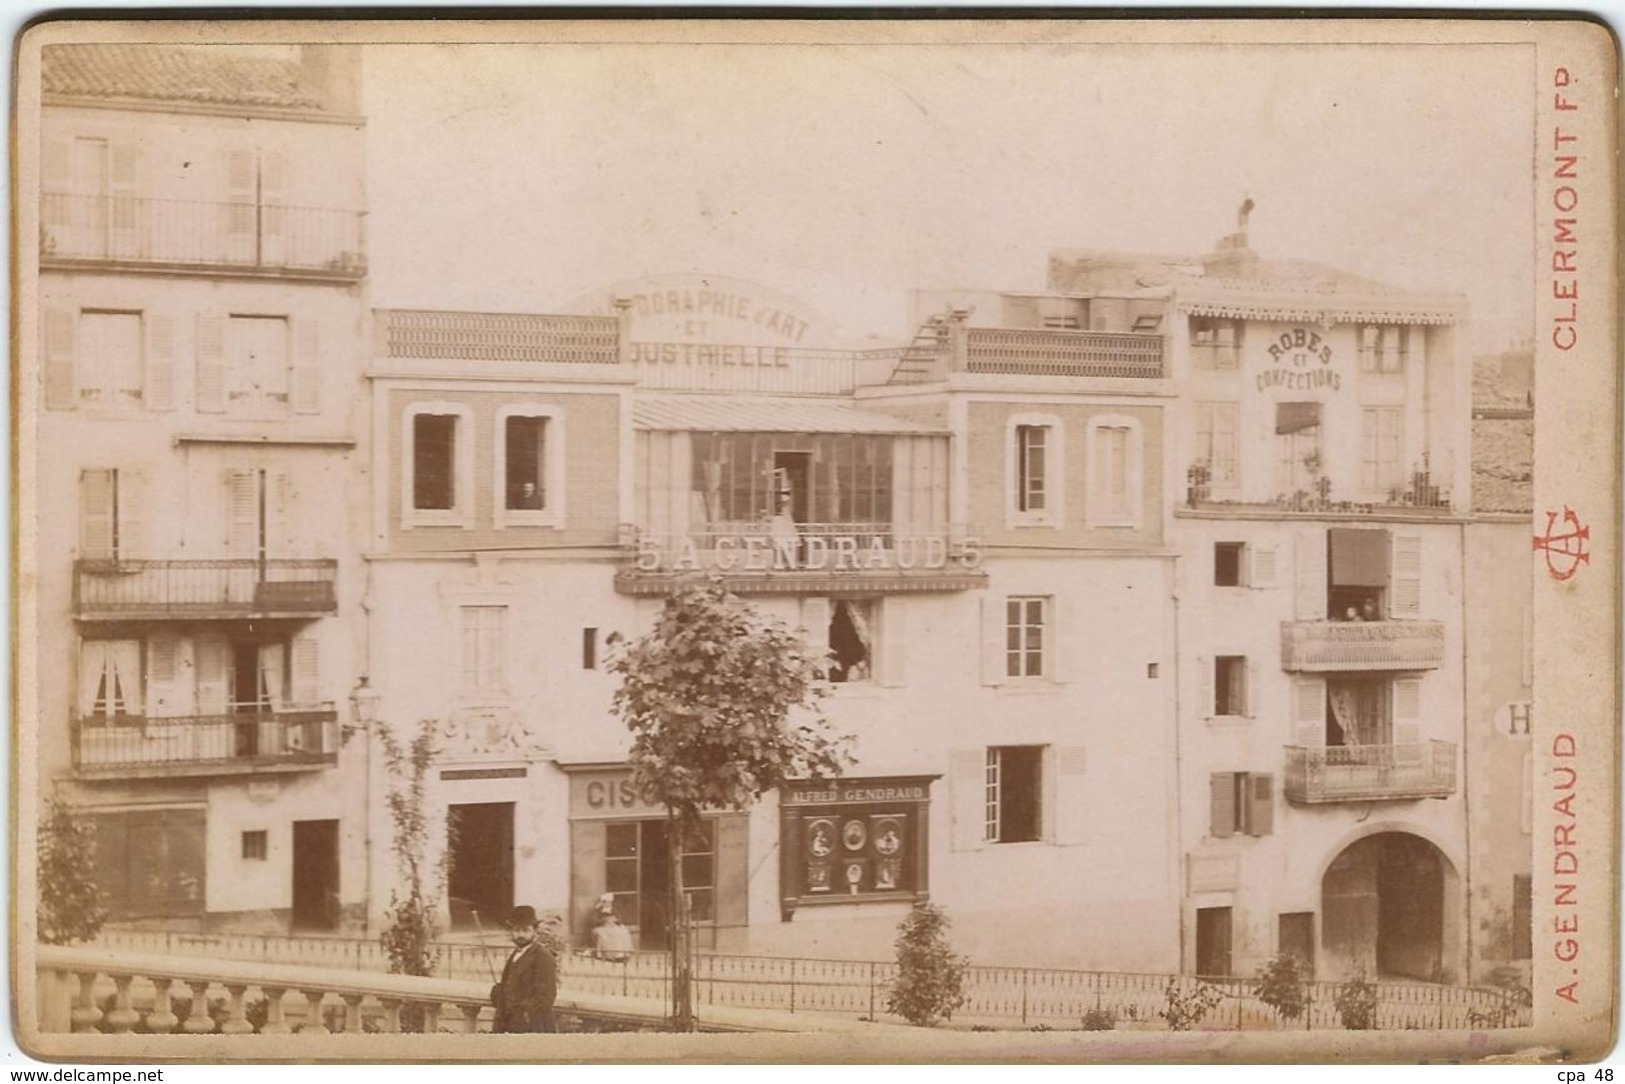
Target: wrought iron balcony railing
1313	646
127	590
126	231
1363	773
243	742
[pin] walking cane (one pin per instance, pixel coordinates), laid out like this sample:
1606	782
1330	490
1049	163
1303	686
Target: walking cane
489	966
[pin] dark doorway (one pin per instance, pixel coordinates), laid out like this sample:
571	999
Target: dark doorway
1296	937
1382	907
793	471
316	875
1213	941
479	875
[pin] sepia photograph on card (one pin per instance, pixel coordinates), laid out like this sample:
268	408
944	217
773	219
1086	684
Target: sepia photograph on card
816	540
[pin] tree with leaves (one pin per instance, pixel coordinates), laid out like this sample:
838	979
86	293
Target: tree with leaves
70	899
930	981
723	706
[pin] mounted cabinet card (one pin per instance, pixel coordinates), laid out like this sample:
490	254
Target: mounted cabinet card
895	535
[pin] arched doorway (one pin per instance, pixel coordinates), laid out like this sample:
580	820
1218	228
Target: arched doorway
1383	909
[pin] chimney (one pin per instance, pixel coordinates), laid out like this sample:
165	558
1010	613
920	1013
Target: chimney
1233	255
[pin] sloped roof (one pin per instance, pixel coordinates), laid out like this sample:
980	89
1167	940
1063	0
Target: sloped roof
214	74
1503	464
762	414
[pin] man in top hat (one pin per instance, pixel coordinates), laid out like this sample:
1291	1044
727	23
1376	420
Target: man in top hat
524	997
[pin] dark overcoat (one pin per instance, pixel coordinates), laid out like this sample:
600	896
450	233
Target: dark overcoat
524	998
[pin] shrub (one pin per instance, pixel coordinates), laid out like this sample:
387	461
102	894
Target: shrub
70	900
1184	1009
1283	984
930	981
1099	1020
1356	1003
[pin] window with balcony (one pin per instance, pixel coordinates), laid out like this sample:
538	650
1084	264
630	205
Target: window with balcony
1382	443
1116	476
1242	804
1215	343
741	481
438	478
1014	794
1373	575
1359	711
529	457
484	670
111	504
109	369
1297	448
1025	641
1217	443
1035	471
1382	349
110	680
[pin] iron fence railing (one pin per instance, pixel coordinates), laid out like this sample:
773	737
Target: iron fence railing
240	236
1005	997
202	588
294	736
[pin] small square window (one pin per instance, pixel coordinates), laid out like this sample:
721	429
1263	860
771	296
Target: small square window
1227	564
255	845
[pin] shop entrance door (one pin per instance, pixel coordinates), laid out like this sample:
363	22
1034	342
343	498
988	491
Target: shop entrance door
637	873
479	874
315	875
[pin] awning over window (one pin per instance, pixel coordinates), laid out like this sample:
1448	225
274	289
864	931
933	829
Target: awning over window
1359	557
1296	417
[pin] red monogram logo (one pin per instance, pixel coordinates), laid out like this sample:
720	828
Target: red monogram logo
1566	549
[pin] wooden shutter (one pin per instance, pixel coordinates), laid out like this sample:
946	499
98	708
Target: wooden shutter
159	390
815	615
733	870
242	513
1311	575
1222	804
304	670
993	633
1252	694
1261	805
132	514
967	795
56	181
307	366
211	363
126	192
280	539
587	849
1405	577
1205	692
163	673
273	183
892	667
1071	796
1407	711
1262	571
242	182
1062	637
211	657
1309	712
61	389
96	515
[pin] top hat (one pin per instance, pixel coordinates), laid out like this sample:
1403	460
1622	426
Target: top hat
522	916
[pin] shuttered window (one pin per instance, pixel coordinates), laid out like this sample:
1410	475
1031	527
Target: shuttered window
434	454
1014	794
108	369
1382	441
1217	443
1242	803
1025	636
